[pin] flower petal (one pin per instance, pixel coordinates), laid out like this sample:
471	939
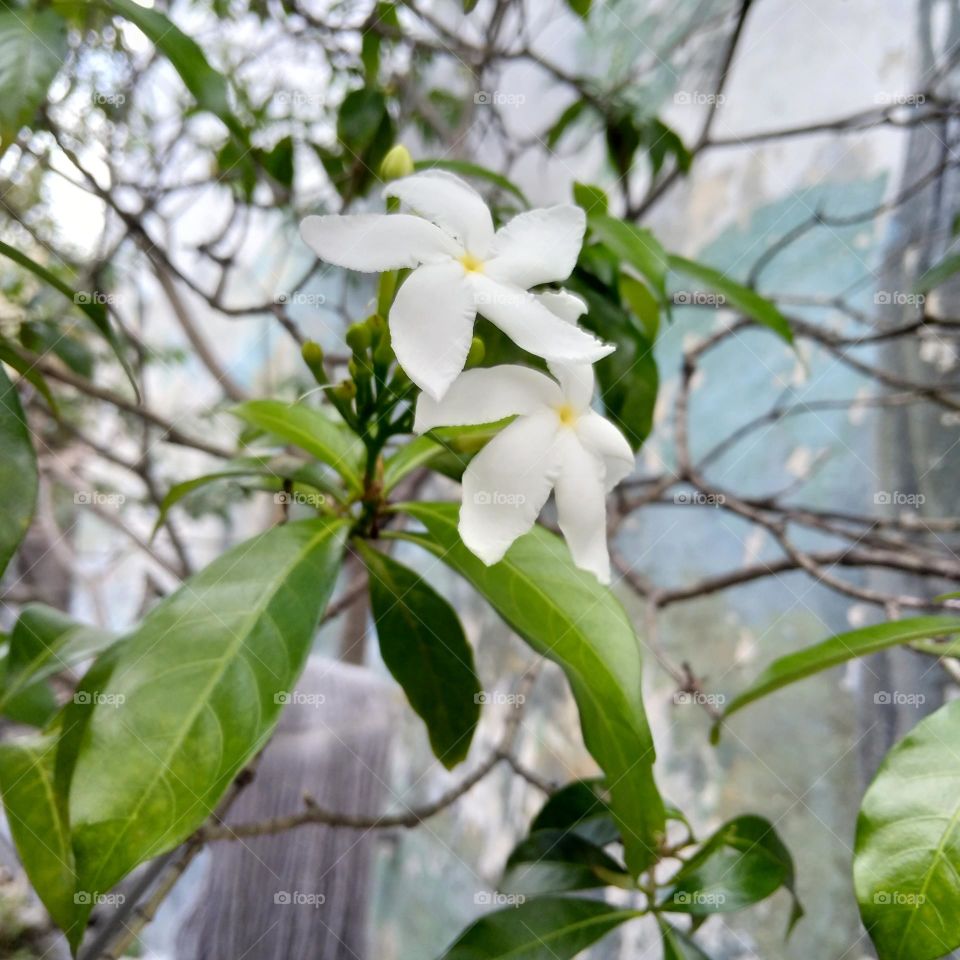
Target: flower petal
530	325
371	242
582	508
601	438
576	382
431	325
451	204
567	306
507	484
539	246
486	395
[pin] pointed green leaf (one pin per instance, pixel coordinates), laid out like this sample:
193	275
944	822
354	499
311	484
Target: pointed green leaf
741	864
424	647
548	928
558	861
190	696
311	430
741	298
581	807
37	818
567	616
906	865
634	245
676	945
18	472
938	274
33	48
839	649
91	307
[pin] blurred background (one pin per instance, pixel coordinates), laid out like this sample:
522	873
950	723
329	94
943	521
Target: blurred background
808	148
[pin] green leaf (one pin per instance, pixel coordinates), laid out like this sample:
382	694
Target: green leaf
207	86
741	298
938	274
743	863
557	861
190	697
642	303
27	369
581	808
565	121
548	928
311	430
465	169
676	945
33	48
590	198
95	311
38	822
446	449
567	616
839	649
633	245
628	378
580	7
425	649
906	865
18	472
43	642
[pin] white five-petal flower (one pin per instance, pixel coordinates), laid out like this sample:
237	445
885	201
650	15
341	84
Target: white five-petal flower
555	443
462	267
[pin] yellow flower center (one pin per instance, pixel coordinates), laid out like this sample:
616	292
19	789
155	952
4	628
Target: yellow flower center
567	415
471	263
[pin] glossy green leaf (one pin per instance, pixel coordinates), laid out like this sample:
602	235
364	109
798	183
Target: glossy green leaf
906	865
424	647
839	649
635	246
741	864
33	48
582	808
38	822
190	697
207	86
89	305
464	168
558	861
18	472
580	7
741	298
628	378
548	928
569	118
678	946
938	274
448	450
311	430
27	369
43	642
642	303
567	616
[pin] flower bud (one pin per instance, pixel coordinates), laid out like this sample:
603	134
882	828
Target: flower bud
396	164
345	391
312	354
359	337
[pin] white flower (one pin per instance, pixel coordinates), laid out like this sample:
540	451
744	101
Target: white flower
462	267
555	443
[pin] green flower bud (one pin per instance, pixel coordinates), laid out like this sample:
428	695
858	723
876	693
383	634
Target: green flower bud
345	391
359	337
396	164
312	354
